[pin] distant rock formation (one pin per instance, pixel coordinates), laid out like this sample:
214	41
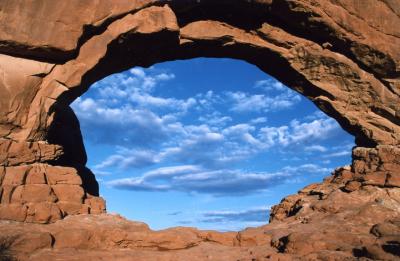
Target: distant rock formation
343	55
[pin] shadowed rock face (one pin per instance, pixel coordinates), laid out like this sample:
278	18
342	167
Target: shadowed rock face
343	55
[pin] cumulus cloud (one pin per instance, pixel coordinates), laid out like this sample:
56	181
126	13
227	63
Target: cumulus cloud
215	119
275	96
204	139
220	182
123	110
146	100
194	144
121	125
220	147
149	131
269	85
208	100
245	102
137	90
298	132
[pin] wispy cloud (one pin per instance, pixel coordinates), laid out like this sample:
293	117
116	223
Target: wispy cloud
215	119
315	148
230	220
174	213
338	154
130	158
259	214
245	102
258	120
222	182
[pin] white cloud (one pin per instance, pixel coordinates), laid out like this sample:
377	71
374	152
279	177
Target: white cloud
121	125
270	85
258	120
208	100
315	115
151	102
315	148
220	147
136	88
101	173
173	171
257	214
338	154
165	76
139	72
130	158
317	129
124	111
220	182
245	102
272	136
299	132
148	82
215	119
275	96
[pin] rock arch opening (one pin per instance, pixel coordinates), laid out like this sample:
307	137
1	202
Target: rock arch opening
217	137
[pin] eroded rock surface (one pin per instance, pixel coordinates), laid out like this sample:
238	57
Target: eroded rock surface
340	54
324	221
343	55
42	193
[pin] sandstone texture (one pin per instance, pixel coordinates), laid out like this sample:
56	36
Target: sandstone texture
43	193
324	221
343	55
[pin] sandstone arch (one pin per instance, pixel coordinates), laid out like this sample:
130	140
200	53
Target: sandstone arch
340	54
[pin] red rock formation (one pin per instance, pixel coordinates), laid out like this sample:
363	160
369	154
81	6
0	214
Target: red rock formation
343	55
324	221
43	193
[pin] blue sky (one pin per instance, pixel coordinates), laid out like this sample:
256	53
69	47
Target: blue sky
211	143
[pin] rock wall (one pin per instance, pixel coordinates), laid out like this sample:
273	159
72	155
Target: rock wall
343	55
42	193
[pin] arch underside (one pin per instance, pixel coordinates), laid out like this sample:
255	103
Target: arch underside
343	58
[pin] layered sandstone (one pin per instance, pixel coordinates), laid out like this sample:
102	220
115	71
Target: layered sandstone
343	55
42	193
324	221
